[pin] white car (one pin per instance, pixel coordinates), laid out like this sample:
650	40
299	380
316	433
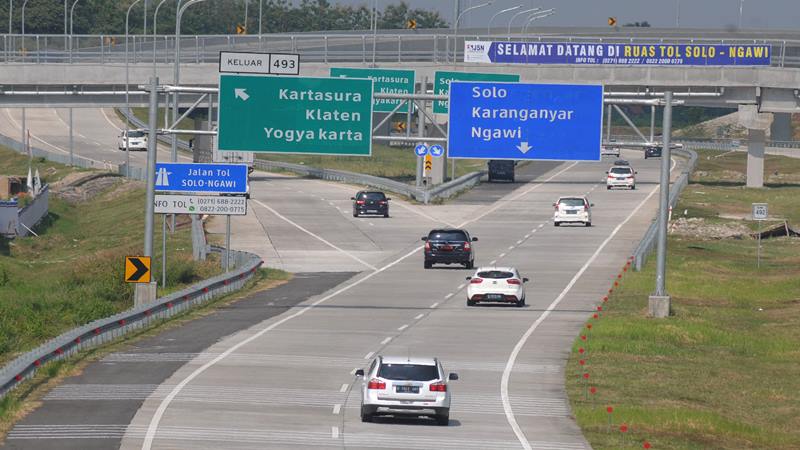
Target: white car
621	176
137	140
496	284
405	385
573	210
609	151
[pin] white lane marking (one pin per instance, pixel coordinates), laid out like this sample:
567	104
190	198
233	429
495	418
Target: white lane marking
461	286
541	225
344	387
520	241
386	341
152	428
334	432
419	316
320	238
511	247
433	306
336	408
403	327
517	348
527	235
491	263
501	255
422	214
448	296
55	112
108	119
369	355
371	224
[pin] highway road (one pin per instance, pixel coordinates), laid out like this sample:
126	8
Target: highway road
286	380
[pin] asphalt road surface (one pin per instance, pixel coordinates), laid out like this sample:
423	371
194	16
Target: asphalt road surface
287	381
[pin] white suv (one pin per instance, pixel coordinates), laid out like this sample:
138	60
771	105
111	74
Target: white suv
137	140
496	284
621	176
395	385
573	210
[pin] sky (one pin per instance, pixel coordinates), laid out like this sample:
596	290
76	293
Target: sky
721	14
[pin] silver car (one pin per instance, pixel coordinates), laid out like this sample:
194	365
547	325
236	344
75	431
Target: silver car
395	385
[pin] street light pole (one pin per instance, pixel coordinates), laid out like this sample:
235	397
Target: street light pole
539	15
177	71
517	15
155	24
127	89
374	30
260	14
489	27
659	302
741	7
455	26
25	3
71	12
11	14
677	13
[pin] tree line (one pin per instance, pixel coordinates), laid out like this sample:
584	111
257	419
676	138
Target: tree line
210	17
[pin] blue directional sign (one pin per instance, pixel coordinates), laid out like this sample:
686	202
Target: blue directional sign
201	178
421	150
490	120
437	150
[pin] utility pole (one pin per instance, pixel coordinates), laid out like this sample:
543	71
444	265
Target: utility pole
659	301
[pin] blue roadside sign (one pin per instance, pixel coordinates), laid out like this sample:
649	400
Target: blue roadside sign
201	178
421	150
490	120
437	150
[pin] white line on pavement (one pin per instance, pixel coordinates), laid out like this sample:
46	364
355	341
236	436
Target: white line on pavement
419	316
511	247
386	341
501	255
344	387
461	286
491	263
527	236
541	225
369	355
336	408
448	296
108	119
519	241
517	348
433	306
403	327
320	238
334	432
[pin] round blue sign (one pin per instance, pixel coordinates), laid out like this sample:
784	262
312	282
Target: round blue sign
421	150
437	150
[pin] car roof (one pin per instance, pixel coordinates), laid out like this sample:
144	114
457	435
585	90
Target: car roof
446	230
501	269
564	197
417	360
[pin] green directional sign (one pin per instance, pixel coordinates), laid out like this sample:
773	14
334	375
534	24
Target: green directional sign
386	81
442	83
323	116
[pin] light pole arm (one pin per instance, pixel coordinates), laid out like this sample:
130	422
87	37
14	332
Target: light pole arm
71	12
489	27
519	14
536	16
25	3
470	9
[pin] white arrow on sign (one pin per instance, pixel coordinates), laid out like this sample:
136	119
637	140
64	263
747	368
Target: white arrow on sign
240	93
524	147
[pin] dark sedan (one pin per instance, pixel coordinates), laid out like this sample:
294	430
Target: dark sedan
370	202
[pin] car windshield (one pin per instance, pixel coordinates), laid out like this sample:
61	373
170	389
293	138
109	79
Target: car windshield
136	134
498	274
415	372
373	196
571	202
621	170
447	236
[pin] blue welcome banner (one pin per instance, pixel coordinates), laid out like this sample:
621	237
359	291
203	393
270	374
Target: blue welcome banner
592	53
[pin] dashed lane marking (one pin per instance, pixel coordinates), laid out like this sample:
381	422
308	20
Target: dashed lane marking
403	327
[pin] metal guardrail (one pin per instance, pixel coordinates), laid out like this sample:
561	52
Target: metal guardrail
647	243
442	191
325	48
108	329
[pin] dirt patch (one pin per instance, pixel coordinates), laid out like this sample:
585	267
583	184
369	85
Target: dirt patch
76	190
699	228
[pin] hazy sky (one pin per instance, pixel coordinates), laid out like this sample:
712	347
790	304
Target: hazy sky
773	14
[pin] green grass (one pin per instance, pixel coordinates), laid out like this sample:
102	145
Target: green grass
72	273
721	372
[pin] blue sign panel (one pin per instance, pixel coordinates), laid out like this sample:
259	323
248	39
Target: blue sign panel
201	178
525	121
617	54
437	150
421	150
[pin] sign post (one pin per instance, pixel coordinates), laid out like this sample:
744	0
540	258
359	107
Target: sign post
760	214
515	121
324	116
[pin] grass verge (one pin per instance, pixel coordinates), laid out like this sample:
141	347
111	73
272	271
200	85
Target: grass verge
721	372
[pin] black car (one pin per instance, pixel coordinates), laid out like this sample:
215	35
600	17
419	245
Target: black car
501	169
652	152
449	246
370	202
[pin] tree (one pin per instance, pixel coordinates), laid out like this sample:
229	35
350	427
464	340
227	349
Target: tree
395	17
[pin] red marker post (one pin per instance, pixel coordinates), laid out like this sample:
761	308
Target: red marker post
646	445
610	411
623	429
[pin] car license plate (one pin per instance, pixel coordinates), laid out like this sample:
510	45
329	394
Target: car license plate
572	212
494	297
446	247
372	210
620	179
407	389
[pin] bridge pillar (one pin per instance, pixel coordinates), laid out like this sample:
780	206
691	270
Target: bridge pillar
781	128
756	124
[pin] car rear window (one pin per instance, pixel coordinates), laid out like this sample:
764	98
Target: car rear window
373	196
621	170
498	274
571	202
136	134
447	236
415	372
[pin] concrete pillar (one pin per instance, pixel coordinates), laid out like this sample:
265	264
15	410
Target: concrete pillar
439	168
755	158
781	128
144	293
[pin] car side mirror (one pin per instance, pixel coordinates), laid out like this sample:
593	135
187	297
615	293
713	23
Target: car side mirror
453	376
359	372
468	278
635	172
591	204
424	238
388	198
606	171
554	204
474	239
525	280
352	198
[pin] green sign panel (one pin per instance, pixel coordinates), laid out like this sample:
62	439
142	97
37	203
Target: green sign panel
442	84
386	81
324	116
